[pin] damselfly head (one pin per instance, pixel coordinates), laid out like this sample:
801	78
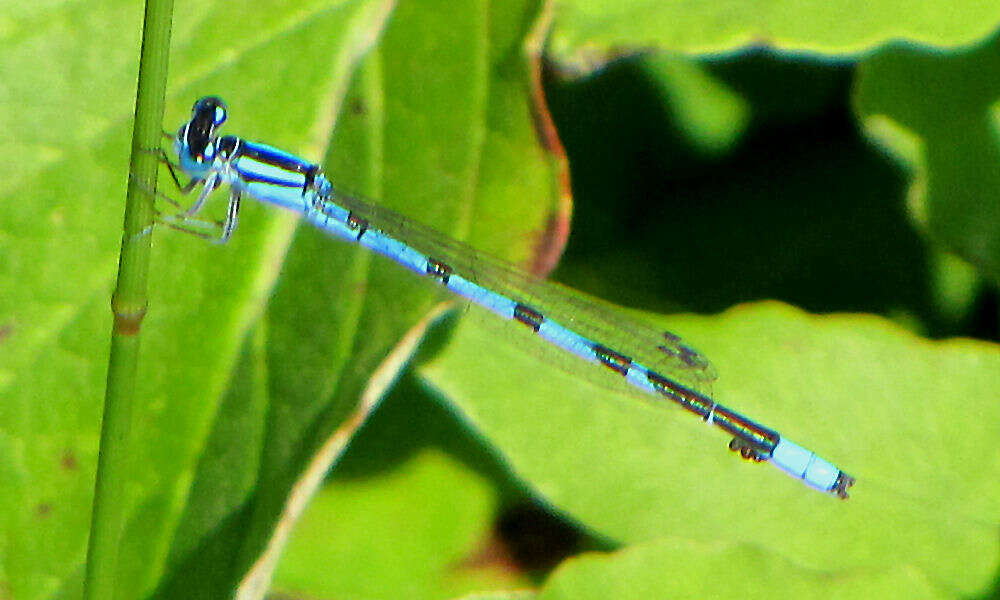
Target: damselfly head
196	137
210	110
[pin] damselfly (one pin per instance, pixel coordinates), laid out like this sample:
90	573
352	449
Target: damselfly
656	363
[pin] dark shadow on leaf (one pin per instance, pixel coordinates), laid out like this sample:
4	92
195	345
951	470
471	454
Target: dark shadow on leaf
802	210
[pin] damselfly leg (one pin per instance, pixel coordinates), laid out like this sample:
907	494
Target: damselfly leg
172	168
209	230
209	185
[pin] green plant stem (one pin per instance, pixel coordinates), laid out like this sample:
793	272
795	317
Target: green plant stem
129	307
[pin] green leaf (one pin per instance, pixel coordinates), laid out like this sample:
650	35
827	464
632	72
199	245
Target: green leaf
409	513
674	568
589	33
913	420
225	427
438	145
936	114
424	515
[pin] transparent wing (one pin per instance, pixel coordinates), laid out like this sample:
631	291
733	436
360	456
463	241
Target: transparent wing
658	350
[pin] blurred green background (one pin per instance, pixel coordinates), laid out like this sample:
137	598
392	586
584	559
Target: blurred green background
806	193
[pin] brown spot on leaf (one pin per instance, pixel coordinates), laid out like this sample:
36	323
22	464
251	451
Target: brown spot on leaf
5	332
43	509
492	553
68	461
